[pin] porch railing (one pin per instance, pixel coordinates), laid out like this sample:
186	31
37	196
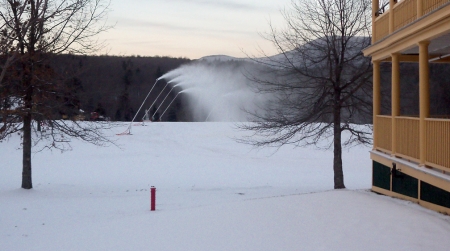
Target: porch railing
382	27
405	12
438	143
407	139
431	5
384	133
407	136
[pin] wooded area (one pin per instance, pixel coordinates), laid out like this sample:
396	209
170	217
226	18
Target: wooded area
115	87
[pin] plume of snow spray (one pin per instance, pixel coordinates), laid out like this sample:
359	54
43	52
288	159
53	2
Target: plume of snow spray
217	91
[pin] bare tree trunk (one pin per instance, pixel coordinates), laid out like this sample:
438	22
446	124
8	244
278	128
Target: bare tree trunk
322	79
27	118
337	158
35	30
26	173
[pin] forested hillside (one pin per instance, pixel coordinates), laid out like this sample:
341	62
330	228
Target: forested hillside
114	86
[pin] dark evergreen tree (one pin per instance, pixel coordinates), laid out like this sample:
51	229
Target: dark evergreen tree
172	116
100	109
158	72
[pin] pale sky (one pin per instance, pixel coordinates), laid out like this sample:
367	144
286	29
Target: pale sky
191	28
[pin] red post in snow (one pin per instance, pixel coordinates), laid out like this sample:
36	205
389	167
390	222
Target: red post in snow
152	198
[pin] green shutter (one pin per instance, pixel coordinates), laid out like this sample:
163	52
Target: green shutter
434	195
405	184
381	176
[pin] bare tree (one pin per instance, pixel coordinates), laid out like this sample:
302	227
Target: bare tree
32	32
322	82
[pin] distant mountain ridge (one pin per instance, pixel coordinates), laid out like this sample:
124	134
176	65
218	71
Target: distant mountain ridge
364	41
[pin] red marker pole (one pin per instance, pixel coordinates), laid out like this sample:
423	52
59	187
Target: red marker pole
152	198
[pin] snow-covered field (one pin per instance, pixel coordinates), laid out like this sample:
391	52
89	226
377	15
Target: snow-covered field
212	194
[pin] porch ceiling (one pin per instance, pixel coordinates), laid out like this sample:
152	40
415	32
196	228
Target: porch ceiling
438	46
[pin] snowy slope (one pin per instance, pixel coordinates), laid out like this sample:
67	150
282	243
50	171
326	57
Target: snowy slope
212	194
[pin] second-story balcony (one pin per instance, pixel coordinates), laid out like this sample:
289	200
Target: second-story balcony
397	14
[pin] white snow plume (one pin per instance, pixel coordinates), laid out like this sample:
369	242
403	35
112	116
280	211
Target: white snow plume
218	90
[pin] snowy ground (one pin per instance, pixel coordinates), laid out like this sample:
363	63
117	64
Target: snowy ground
212	194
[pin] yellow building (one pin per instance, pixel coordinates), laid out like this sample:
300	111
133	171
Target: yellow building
411	154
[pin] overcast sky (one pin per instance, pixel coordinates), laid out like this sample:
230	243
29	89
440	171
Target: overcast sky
190	28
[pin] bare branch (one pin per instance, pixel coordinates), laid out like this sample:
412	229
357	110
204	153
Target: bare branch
320	80
34	96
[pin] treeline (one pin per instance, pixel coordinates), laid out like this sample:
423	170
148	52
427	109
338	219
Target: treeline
114	87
